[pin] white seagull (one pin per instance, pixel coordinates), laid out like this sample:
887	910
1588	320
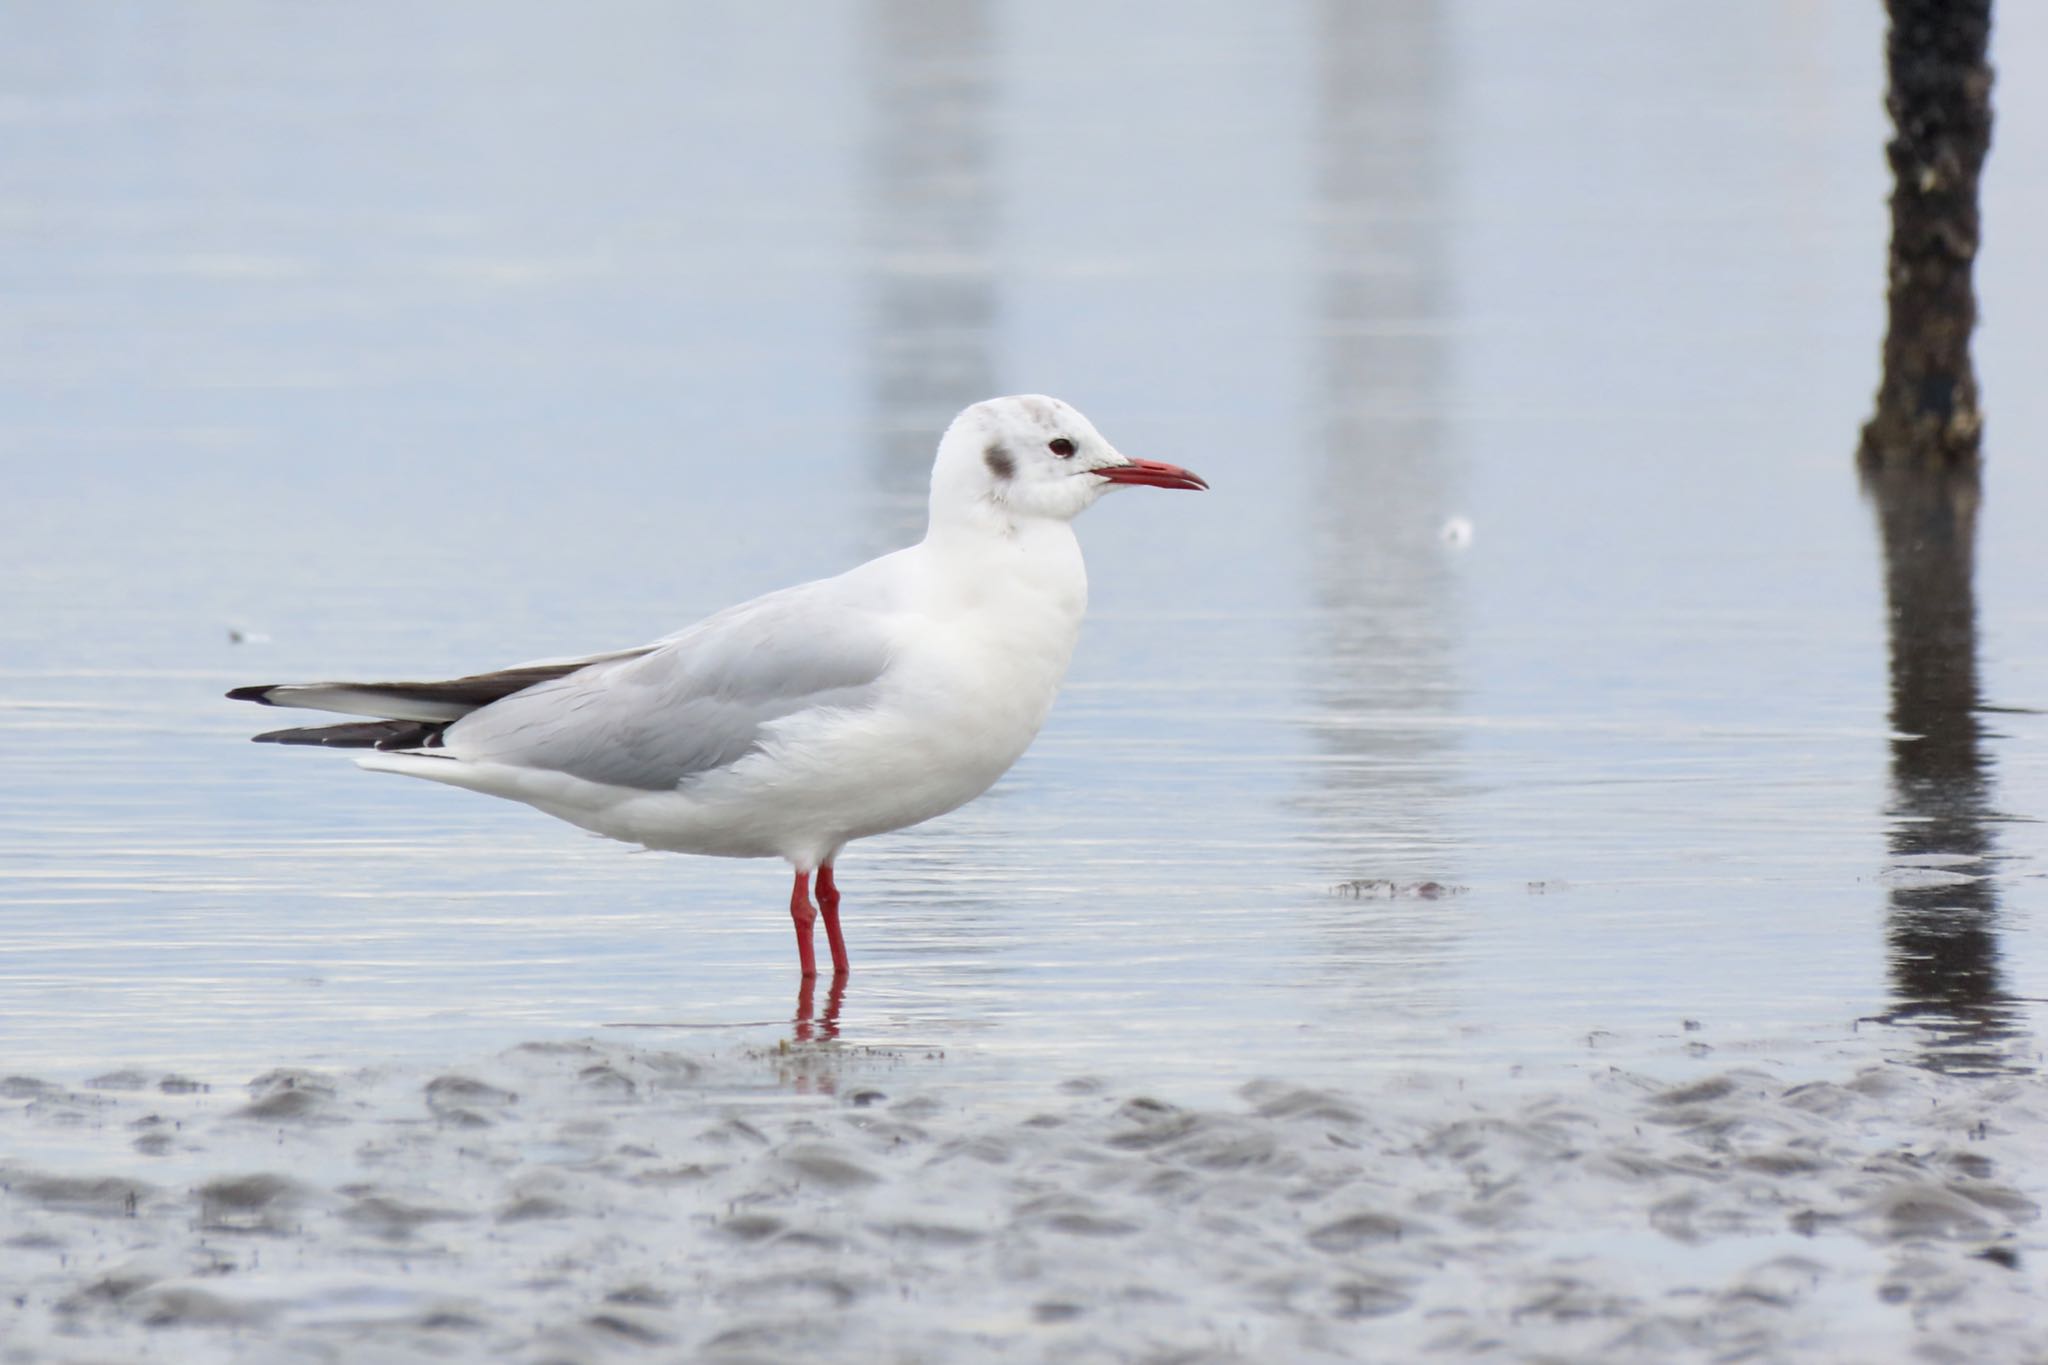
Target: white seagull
790	725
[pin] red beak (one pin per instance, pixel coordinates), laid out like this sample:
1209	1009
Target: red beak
1153	474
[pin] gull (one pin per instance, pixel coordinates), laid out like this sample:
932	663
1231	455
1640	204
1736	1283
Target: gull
793	724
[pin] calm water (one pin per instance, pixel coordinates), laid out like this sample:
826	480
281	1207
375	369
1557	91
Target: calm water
471	336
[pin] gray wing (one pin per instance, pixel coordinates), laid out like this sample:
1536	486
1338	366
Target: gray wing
696	702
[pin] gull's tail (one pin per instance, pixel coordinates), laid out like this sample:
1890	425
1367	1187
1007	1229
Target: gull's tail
405	715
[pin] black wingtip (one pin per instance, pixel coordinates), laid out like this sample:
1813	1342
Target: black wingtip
260	694
305	734
362	734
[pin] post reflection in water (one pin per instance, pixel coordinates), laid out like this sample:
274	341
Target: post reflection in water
931	220
1383	677
1942	937
1381	673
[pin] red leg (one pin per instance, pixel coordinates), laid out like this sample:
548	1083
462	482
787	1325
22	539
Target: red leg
802	913
828	901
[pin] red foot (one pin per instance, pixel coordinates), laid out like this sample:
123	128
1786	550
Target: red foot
828	901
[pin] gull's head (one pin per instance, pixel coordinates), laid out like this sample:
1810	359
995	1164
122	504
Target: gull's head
1031	456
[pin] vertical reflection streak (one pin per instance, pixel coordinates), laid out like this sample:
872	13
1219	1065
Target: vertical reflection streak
931	217
1383	679
1941	934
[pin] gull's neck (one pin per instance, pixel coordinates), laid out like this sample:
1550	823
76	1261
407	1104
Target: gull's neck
963	522
987	552
986	528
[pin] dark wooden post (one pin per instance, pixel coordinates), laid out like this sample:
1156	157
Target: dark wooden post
1940	101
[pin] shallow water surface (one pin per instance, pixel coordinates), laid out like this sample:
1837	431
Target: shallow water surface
1536	714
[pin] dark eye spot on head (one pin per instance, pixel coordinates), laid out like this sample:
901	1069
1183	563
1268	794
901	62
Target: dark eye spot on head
999	462
1060	446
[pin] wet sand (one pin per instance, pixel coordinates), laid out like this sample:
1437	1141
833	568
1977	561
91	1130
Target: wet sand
597	1200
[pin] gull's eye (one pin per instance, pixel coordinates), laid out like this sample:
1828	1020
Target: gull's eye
1060	446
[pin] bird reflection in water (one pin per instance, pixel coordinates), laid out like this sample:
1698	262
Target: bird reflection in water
807	1027
1943	901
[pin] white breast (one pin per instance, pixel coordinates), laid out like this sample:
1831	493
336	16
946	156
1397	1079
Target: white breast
979	658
